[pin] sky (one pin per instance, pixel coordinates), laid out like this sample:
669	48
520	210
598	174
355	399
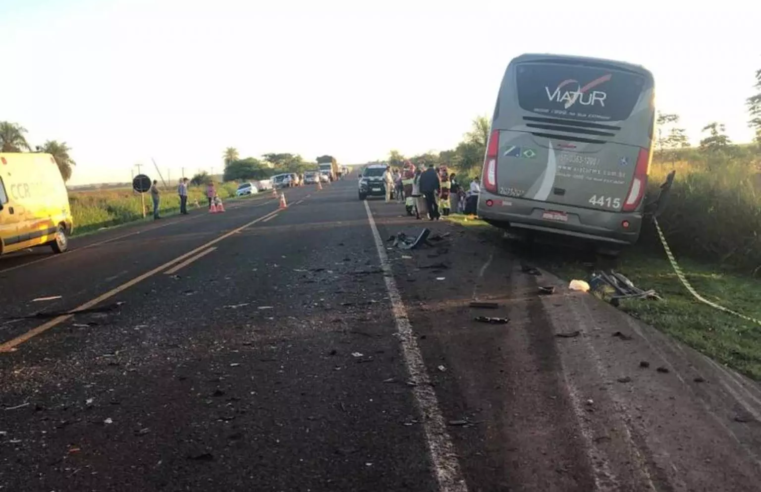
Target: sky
177	81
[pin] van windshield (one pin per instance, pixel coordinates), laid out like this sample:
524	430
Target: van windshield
577	91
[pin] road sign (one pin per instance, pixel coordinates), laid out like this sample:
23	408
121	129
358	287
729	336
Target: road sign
141	183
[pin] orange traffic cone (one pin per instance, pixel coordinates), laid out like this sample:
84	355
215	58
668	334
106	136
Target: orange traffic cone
319	184
213	208
220	207
282	201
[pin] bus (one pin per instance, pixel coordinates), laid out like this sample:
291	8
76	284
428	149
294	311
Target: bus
569	149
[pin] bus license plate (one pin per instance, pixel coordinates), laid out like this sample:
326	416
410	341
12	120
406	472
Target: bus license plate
556	216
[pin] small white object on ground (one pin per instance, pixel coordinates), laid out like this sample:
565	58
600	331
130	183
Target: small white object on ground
43	299
108	421
357	354
579	285
441	278
442	369
266	307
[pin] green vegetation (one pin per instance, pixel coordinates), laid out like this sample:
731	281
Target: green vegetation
13	139
96	210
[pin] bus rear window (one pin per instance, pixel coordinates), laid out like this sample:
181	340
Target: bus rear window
578	92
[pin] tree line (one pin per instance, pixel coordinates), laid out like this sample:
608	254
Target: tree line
13	139
238	169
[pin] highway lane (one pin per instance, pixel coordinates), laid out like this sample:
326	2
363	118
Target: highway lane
304	352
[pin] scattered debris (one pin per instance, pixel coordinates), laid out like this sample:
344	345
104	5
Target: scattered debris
458	423
435	266
492	321
614	287
663	370
644	364
236	306
234	364
357	354
333	352
389	380
699	380
405	257
744	417
546	290
74	450
264	308
623	336
201	456
402	241
441	278
43	299
189	292
89	401
484	305
108	421
571	334
54	314
579	286
142	432
590	402
625	379
218	392
17	406
531	270
442	369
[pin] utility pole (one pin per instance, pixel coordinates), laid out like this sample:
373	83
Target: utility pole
183	173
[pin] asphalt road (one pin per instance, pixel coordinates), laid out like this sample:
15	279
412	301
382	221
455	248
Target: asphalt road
298	350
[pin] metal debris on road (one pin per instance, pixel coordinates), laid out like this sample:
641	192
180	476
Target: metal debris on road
492	320
236	306
357	354
644	364
435	266
235	364
108	421
402	241
572	334
484	305
43	299
458	423
441	278
17	406
442	369
663	370
264	308
546	290
625	379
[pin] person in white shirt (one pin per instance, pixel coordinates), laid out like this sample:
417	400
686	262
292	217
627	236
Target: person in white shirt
182	191
471	203
388	178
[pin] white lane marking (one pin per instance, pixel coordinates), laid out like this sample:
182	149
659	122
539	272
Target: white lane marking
443	457
272	216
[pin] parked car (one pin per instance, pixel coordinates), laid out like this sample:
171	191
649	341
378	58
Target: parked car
246	189
281	181
311	177
264	184
325	176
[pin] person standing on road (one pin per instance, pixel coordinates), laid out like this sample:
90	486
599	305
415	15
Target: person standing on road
388	179
211	192
182	191
417	197
429	187
156	195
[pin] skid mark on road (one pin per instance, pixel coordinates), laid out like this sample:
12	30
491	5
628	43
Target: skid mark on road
445	463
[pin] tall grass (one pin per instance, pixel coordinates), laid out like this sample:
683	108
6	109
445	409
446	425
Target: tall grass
714	211
94	210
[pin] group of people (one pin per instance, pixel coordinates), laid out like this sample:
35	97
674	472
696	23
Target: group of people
430	192
182	192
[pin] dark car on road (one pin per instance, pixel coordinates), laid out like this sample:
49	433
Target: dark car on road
371	181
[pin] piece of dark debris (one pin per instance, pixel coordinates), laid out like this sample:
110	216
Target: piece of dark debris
570	334
622	336
663	370
644	364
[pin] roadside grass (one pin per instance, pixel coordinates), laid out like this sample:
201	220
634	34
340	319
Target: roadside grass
95	210
721	336
725	338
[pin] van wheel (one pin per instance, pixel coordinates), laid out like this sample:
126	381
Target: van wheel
61	243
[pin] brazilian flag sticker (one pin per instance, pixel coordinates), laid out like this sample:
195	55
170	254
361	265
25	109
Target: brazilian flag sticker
528	153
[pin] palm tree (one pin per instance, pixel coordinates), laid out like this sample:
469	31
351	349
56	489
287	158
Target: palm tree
231	155
12	137
60	152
